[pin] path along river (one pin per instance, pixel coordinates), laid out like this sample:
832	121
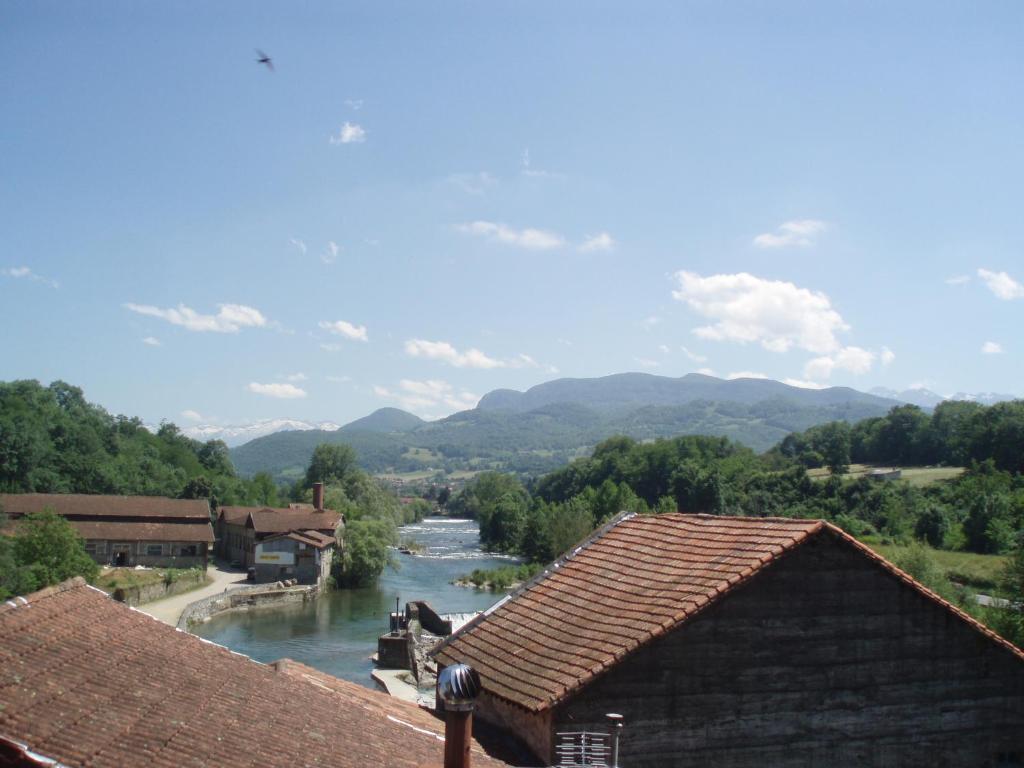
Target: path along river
338	632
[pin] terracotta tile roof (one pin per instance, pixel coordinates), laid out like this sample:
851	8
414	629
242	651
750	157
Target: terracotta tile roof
87	505
132	531
284	520
312	538
281	520
90	682
631	582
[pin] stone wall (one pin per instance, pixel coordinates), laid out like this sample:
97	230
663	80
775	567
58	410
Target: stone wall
149	592
823	659
247	598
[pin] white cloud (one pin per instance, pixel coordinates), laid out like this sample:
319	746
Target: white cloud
298	244
992	348
706	371
442	350
650	321
428	396
346	329
958	280
192	415
599	242
646	362
230	318
281	391
663	348
852	359
354	104
25	273
746	375
804	384
296	377
330	255
886	356
151	341
531	239
694	356
349	133
536	173
777	314
473	183
800	232
1002	285
523	361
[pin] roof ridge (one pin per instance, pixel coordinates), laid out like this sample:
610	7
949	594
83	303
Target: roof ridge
18	601
712	596
583	543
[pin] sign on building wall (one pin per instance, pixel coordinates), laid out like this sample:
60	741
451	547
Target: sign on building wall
278	558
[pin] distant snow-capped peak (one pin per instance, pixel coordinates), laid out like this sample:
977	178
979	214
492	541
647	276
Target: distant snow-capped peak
243	433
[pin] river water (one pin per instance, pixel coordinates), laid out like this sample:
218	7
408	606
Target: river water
338	632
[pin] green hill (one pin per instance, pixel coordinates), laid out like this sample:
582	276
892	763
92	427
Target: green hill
502	433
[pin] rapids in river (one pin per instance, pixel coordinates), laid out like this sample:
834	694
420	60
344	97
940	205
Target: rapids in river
337	633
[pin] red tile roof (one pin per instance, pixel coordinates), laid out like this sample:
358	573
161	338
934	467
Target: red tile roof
635	580
88	681
131	531
271	520
283	520
88	505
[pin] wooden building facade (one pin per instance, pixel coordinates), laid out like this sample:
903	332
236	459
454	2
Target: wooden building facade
742	642
240	529
305	556
126	531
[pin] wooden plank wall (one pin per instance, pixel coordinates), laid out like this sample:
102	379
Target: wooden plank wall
824	659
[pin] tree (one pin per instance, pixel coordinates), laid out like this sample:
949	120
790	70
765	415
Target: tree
331	463
365	552
264	490
834	445
48	550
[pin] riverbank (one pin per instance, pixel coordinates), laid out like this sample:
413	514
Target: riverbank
337	633
503	578
247	598
169	609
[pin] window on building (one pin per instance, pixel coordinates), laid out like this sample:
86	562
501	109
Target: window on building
90	547
189	551
154	550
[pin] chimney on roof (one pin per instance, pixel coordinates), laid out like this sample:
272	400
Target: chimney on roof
457	688
318	497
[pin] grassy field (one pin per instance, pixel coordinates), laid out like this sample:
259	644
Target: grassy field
916	476
980	572
423	474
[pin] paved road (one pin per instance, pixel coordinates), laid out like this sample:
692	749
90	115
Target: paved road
169	609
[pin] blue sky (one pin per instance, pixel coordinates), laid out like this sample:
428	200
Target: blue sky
424	202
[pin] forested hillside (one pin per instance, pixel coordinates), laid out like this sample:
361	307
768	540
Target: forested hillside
53	441
548	436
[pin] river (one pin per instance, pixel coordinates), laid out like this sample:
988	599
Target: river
338	632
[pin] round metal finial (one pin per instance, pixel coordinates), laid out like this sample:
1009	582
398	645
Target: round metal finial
458	686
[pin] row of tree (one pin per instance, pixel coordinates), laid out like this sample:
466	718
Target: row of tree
955	434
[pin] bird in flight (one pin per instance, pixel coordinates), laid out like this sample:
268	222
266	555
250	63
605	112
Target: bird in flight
264	59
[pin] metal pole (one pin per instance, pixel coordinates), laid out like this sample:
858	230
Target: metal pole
615	722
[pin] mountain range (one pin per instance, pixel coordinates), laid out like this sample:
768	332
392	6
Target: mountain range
243	433
925	398
549	424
